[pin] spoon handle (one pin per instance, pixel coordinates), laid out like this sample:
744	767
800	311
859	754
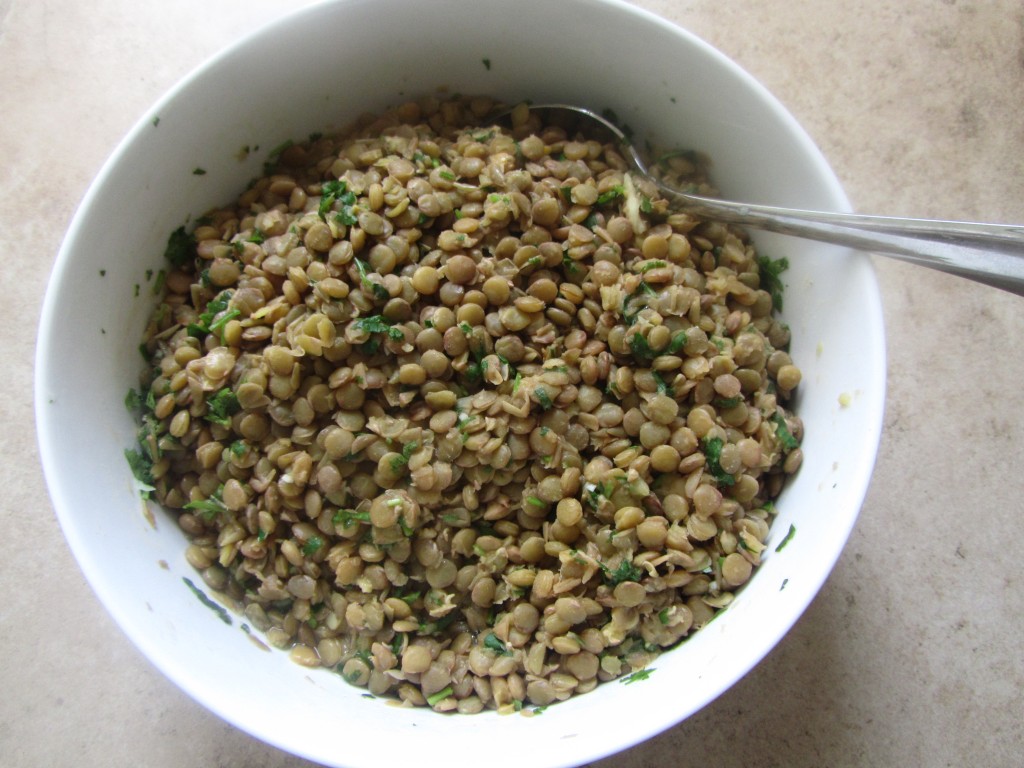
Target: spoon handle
992	254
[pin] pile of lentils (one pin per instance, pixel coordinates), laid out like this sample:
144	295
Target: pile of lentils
468	414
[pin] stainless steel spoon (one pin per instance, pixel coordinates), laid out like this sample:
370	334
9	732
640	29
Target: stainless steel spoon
986	253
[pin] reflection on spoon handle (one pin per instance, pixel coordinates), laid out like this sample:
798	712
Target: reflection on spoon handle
992	254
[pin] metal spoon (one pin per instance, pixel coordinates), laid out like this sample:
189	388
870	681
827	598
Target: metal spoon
986	253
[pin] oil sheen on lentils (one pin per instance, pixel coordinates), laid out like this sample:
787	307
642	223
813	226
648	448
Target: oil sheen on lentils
465	413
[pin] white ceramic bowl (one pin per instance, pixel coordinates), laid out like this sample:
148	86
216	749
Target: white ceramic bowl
318	69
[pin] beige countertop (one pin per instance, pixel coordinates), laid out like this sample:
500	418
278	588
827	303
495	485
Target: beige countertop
911	655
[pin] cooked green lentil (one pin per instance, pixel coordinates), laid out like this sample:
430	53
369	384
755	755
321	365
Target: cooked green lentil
468	414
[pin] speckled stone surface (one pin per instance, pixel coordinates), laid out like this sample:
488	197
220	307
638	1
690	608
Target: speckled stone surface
912	653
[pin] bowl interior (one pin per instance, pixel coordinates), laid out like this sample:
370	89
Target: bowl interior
317	70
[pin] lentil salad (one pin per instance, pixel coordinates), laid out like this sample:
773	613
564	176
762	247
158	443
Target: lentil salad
466	413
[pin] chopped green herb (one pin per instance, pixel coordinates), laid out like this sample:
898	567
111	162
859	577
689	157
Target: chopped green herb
218	609
612	194
198	171
257	236
543	398
535	502
786	539
677	343
156	121
238	448
222	406
336	191
180	247
379	291
641	349
436	698
377	324
312	545
346	517
161	278
142	469
569	264
209	507
652	265
640	674
493	642
646	206
446	175
663	616
133	400
713	453
205	323
771	280
487	63
515	384
663	387
782	432
625	571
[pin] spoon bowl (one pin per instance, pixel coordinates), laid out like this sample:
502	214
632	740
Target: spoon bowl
986	253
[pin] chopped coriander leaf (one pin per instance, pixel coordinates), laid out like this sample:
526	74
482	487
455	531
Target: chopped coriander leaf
771	280
677	343
161	278
446	175
640	674
465	327
543	398
377	324
663	616
379	291
238	448
646	206
222	406
312	545
436	698
198	171
641	349
515	384
336	191
487	63
493	642
782	432
611	195
787	538
141	466
625	571
257	236
218	326
713	453
656	264
209	508
133	400
346	517
180	247
662	385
